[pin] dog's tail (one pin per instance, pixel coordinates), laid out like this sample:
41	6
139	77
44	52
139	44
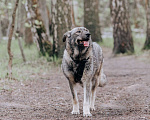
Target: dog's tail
101	76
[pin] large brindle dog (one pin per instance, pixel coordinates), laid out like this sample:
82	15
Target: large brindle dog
82	63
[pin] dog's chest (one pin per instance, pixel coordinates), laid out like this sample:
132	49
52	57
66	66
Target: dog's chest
78	69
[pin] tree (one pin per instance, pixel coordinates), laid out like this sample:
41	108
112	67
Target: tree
1	35
44	15
73	16
38	28
18	37
123	41
136	13
21	18
20	29
11	30
28	35
147	42
61	23
22	26
91	19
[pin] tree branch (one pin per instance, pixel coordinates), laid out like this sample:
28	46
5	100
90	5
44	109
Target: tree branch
11	30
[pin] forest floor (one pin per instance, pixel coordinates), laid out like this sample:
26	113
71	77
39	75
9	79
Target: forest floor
47	96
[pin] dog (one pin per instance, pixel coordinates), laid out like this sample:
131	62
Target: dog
82	63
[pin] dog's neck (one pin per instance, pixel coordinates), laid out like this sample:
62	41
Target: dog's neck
80	61
80	54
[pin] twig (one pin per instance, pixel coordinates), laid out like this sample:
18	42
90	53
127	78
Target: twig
11	30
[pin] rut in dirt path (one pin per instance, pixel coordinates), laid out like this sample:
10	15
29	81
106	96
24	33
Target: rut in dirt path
126	95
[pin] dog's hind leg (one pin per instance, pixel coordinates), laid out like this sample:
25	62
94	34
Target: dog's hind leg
93	93
92	101
75	98
102	79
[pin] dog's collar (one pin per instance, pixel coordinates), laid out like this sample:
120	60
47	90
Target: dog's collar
80	61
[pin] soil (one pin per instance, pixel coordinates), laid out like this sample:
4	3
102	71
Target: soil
125	97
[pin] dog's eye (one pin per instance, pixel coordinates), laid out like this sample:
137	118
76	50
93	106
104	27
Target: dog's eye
79	31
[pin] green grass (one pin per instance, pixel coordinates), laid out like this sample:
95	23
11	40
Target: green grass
35	64
107	42
138	44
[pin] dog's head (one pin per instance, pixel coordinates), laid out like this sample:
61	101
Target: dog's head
79	36
78	41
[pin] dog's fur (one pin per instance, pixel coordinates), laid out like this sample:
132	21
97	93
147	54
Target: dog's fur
83	64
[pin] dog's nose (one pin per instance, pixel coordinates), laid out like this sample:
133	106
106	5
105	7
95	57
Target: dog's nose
88	34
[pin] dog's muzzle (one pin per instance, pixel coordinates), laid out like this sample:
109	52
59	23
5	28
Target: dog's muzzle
84	41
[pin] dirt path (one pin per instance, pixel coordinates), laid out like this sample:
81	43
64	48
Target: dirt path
125	97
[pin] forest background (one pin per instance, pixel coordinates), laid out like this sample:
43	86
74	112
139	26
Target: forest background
31	47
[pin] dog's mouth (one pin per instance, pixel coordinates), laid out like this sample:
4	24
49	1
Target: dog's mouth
84	43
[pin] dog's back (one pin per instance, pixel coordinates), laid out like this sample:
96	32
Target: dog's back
98	63
97	54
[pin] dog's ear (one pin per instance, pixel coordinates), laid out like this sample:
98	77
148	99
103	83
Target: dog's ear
67	34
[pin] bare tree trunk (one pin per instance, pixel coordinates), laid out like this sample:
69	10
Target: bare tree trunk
4	25
8	30
44	16
136	14
147	42
44	43
20	45
73	17
50	20
5	20
19	27
62	22
38	28
91	19
21	49
30	18
21	18
10	39
27	29
123	41
28	36
1	35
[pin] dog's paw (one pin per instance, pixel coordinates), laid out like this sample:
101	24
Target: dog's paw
87	114
86	110
75	109
75	112
92	108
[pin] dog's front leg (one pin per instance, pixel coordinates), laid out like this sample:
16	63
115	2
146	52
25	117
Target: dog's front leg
86	79
70	76
75	98
86	103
